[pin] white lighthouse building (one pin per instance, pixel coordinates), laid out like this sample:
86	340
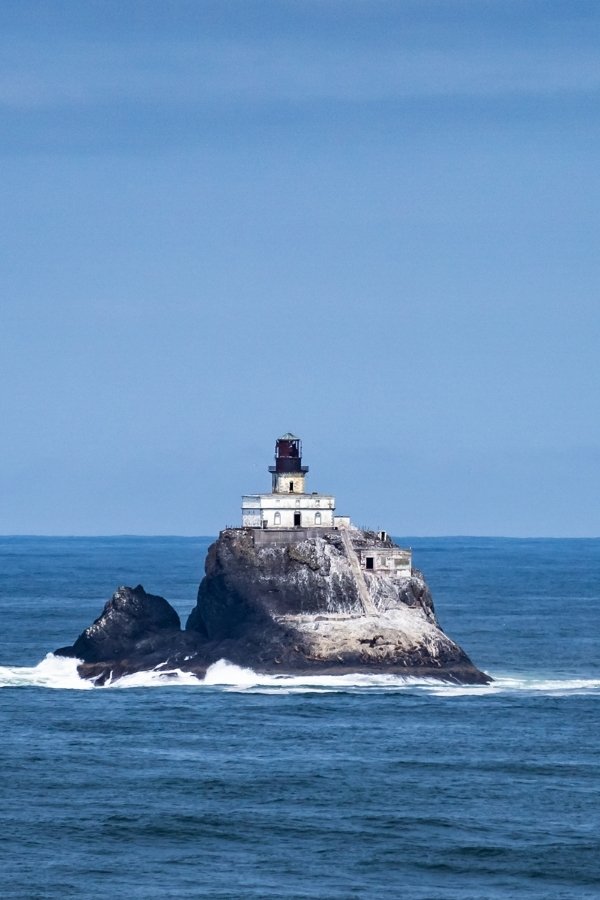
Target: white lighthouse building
288	505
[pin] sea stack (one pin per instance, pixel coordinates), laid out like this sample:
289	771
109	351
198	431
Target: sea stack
295	589
303	589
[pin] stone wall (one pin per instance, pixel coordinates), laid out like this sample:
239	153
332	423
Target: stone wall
281	536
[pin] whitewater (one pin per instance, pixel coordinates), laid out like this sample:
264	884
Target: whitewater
60	673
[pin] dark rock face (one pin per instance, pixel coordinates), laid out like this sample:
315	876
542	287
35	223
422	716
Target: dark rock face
291	607
135	632
131	621
244	581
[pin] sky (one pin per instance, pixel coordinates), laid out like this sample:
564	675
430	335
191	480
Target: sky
373	224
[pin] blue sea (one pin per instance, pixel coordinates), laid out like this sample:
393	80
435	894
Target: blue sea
353	787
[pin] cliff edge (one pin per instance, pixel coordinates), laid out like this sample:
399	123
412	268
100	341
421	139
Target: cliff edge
283	603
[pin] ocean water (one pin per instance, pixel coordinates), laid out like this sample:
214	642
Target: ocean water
355	787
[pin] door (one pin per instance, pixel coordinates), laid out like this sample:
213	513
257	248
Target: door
297	519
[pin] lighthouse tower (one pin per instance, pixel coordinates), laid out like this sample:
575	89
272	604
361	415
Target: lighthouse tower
288	505
288	472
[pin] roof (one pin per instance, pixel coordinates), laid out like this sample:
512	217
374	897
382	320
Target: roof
288	436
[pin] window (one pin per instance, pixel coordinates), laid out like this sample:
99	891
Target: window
369	562
277	520
317	518
291	487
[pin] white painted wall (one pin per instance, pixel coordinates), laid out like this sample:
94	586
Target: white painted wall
341	521
278	510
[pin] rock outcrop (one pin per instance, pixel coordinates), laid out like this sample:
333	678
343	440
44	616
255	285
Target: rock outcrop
135	632
301	606
281	606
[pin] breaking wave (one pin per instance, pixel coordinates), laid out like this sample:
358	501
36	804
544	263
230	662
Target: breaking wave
52	672
60	673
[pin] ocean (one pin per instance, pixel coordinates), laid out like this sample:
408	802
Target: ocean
260	787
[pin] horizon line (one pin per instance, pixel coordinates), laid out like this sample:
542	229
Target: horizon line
500	537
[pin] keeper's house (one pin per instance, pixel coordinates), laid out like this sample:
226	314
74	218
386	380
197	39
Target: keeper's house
288	505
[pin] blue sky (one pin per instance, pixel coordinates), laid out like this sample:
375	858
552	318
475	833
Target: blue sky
374	224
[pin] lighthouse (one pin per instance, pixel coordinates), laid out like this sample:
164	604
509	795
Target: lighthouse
289	514
288	505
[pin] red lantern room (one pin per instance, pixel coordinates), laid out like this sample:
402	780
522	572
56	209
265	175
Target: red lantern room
288	471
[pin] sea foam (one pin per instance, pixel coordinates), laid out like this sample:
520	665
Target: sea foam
61	673
52	672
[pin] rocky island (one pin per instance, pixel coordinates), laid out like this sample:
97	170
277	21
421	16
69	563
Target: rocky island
295	590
